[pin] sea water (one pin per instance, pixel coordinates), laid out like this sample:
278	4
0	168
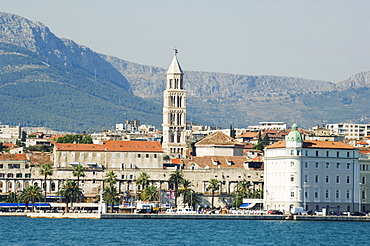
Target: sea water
26	231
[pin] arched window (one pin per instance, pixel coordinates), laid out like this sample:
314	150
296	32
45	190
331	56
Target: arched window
363	195
10	186
27	184
52	186
36	184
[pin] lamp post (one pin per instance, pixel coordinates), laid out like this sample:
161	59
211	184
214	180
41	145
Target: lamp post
359	198
304	195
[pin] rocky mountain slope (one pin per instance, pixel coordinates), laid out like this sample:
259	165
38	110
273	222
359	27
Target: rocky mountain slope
48	81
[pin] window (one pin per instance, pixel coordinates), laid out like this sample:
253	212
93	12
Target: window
348	166
348	194
18	175
327	153
291	178
306	164
317	153
337	153
347	154
138	155
122	176
348	179
363	195
337	179
2	175
316	193
316	178
292	194
337	194
81	154
10	175
292	164
1	165
155	155
326	193
94	181
123	166
338	166
316	165
327	165
306	178
305	194
27	175
363	180
327	179
146	155
131	176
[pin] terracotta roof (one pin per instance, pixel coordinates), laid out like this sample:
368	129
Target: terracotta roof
13	157
362	143
248	135
218	138
10	145
40	158
135	146
315	144
222	161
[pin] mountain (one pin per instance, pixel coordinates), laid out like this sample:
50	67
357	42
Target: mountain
54	82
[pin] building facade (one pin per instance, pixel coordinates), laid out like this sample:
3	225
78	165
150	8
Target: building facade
174	112
350	130
311	174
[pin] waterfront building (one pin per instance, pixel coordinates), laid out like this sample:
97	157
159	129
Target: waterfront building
174	112
311	174
364	183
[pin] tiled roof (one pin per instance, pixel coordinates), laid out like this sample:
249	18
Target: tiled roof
135	146
40	158
315	144
221	161
218	138
248	135
13	157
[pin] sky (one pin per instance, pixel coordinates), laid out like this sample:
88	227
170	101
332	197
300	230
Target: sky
318	39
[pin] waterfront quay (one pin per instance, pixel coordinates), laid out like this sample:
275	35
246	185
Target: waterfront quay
187	216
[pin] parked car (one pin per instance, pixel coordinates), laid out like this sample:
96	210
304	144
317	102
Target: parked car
275	212
358	213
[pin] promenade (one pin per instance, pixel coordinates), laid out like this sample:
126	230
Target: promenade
186	216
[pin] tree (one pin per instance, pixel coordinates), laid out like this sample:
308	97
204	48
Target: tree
188	195
214	185
175	180
12	197
46	170
150	193
71	191
265	140
78	171
232	131
143	180
86	139
111	196
110	178
242	190
31	193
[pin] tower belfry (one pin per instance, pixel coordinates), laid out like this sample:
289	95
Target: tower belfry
174	112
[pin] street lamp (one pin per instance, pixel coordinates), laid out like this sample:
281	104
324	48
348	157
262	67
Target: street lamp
359	198
304	195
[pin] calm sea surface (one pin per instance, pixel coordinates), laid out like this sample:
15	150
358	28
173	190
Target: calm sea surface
24	231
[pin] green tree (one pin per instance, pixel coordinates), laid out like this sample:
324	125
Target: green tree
23	136
111	196
189	196
12	197
265	140
31	194
214	185
46	170
232	131
259	146
71	191
175	179
143	180
110	178
86	139
150	193
78	171
242	190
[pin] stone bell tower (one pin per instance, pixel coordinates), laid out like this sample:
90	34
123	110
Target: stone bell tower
174	112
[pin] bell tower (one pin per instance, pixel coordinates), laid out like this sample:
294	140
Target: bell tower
174	112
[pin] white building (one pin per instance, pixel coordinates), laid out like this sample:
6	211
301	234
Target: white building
350	130
311	174
269	126
174	112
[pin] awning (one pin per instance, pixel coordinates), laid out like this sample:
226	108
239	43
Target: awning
247	205
91	163
73	163
10	205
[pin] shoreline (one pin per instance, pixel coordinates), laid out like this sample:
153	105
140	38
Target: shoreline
186	216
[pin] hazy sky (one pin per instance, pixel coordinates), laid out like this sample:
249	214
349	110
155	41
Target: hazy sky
316	39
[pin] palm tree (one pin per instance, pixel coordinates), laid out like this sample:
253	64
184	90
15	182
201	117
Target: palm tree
46	170
189	196
150	193
143	180
214	185
110	178
12	197
110	196
71	191
31	193
78	171
175	179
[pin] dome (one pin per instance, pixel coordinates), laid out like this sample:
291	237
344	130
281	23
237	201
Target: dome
294	135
